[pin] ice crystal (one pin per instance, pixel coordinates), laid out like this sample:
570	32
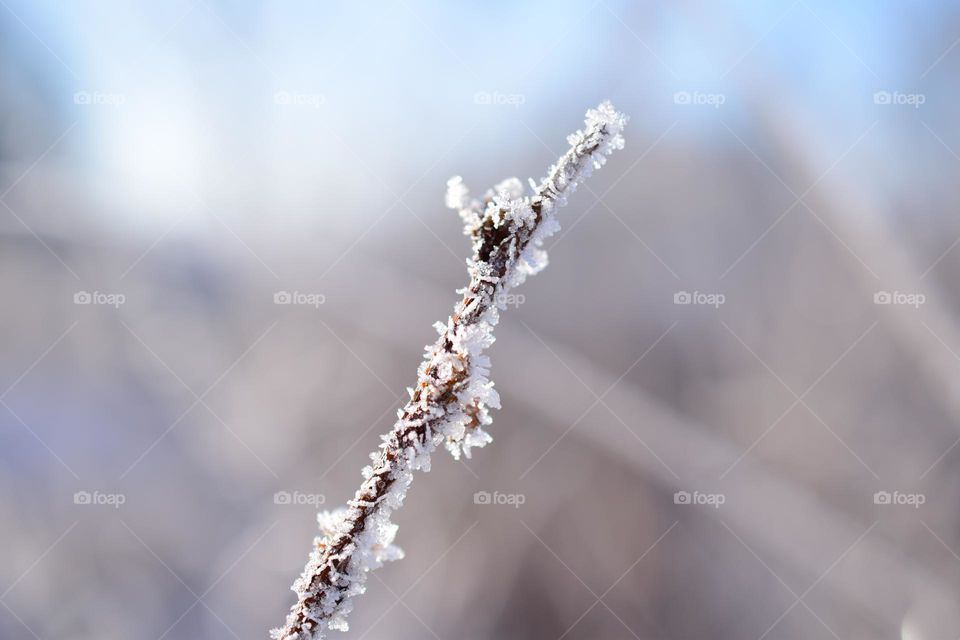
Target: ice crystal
451	403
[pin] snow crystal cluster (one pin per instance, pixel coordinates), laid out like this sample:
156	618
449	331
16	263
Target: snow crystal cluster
451	403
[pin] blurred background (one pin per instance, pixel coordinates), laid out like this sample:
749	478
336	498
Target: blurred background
731	404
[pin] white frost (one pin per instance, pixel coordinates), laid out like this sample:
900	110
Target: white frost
452	400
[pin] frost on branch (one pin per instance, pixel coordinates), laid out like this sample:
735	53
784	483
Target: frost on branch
451	402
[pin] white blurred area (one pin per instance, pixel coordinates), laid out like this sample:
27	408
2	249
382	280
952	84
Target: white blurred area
197	158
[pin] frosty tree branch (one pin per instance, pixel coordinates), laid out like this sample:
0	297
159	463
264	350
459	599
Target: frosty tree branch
453	396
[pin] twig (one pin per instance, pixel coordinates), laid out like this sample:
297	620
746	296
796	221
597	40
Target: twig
451	401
